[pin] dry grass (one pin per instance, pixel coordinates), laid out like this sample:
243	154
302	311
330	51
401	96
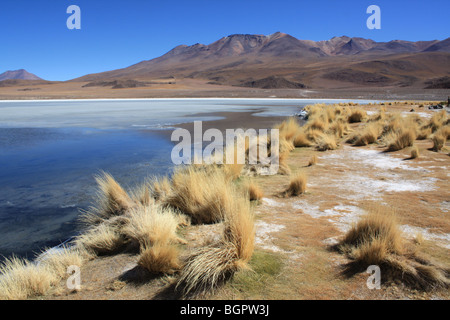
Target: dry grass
201	194
369	134
437	120
312	161
326	142
438	140
288	129
112	200
253	191
101	239
378	229
402	139
301	140
424	133
160	258
357	115
338	128
58	260
415	153
297	185
146	226
209	266
21	279
160	189
284	168
377	240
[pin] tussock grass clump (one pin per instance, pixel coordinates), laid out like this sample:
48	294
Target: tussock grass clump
326	142
402	139
369	134
415	153
201	194
357	115
297	185
318	124
112	200
160	189
207	267
253	191
439	140
338	128
301	140
59	259
424	133
380	116
312	161
21	279
146	226
101	240
160	258
437	120
288	129
284	168
377	240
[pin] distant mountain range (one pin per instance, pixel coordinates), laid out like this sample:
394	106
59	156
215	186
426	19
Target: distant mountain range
282	61
18	75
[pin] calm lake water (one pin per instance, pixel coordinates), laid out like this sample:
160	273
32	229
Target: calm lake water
50	152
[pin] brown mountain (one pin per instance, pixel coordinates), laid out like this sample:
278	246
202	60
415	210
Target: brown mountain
282	61
18	75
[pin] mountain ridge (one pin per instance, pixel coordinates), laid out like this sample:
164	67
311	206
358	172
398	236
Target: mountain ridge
240	59
20	74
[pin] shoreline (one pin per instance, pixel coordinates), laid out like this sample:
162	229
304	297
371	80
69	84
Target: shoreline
190	98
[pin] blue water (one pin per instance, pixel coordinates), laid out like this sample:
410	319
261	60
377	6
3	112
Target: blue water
48	175
50	152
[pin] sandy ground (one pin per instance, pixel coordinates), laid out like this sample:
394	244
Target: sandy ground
299	231
193	88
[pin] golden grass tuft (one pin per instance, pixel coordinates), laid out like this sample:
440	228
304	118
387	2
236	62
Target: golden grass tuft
301	140
21	279
112	200
377	240
297	185
312	161
284	168
160	258
369	134
438	140
424	133
326	142
201	194
253	191
357	115
146	226
402	139
415	153
207	267
437	120
59	259
101	239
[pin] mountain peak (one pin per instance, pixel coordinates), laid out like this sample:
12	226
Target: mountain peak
20	74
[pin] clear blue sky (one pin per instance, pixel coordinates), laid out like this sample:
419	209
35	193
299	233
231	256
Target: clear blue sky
116	34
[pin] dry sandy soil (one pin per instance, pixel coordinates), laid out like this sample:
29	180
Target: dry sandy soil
293	257
196	88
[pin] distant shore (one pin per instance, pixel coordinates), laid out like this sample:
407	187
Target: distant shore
196	90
